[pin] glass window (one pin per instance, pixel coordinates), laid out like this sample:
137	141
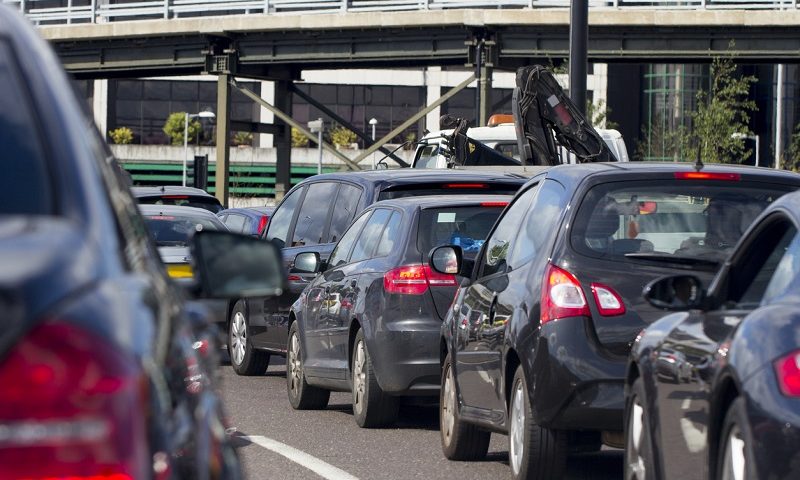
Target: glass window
175	230
281	220
368	239
496	253
342	251
313	216
343	211
466	227
235	222
539	223
427	156
788	268
419	189
390	236
779	269
669	220
25	186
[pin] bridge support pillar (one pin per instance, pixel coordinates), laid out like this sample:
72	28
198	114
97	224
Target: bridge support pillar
282	141
223	137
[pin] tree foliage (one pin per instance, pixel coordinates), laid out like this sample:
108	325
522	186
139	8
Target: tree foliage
791	158
121	136
174	128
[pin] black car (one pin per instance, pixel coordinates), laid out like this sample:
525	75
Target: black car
249	221
536	344
730	409
370	323
312	217
104	366
180	196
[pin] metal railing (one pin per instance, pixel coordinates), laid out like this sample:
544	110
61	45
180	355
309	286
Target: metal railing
45	12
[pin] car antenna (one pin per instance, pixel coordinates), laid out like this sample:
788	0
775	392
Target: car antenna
698	165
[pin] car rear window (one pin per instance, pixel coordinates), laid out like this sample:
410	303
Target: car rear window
175	230
452	188
680	221
25	186
466	227
206	203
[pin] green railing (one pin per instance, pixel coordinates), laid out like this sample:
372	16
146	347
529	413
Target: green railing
244	181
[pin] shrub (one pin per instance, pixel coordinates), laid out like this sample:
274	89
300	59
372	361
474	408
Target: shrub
243	138
299	140
121	136
174	128
342	137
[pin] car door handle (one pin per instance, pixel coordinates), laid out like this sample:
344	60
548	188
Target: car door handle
353	284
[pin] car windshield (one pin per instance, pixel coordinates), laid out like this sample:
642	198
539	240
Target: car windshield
175	230
466	227
206	203
675	221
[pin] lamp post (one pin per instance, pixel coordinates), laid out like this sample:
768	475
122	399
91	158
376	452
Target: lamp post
203	114
750	137
373	122
317	126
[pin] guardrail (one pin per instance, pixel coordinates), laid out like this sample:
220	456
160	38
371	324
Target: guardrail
102	11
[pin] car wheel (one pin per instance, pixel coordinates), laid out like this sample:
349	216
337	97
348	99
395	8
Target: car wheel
302	396
460	441
245	360
371	406
638	453
733	453
534	452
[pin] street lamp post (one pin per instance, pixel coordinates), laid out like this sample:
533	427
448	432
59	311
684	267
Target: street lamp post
373	122
186	117
750	137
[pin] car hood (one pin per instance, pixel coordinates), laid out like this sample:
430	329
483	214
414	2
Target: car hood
43	260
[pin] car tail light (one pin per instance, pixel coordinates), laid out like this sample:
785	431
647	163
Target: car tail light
175	197
262	223
609	303
415	280
561	296
71	406
732	177
788	370
494	204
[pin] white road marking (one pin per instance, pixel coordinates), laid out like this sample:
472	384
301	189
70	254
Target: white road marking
321	468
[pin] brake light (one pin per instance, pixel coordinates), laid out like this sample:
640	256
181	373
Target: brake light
465	185
609	303
788	371
71	406
561	296
415	280
262	223
494	204
175	197
731	177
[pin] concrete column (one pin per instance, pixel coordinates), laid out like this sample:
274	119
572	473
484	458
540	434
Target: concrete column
282	142
433	85
100	101
265	140
223	137
485	88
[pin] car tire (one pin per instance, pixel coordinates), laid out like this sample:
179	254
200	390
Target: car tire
639	464
535	452
372	407
245	359
733	446
460	440
302	396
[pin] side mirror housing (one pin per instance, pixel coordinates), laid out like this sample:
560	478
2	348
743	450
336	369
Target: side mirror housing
675	293
229	265
447	259
307	262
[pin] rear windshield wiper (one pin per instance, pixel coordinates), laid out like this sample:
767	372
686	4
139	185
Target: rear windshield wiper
660	257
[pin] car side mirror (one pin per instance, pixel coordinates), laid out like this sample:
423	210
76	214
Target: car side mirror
675	293
230	265
447	259
307	262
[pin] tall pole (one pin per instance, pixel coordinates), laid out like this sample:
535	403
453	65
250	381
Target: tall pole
223	138
758	148
478	87
578	39
319	145
185	145
779	117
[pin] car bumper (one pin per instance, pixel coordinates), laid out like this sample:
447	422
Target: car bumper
572	383
405	356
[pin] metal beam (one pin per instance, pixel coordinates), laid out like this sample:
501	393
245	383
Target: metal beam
286	118
223	137
327	111
414	118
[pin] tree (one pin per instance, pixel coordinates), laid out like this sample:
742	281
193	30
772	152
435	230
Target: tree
660	143
174	128
722	112
791	159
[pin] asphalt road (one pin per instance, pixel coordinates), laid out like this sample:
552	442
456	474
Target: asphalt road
330	442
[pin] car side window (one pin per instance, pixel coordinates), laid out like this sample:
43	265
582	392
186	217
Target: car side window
344	209
313	216
390	236
539	222
281	220
368	240
495	253
767	275
342	250
787	272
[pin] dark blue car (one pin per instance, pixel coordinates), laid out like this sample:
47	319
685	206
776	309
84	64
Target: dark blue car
248	221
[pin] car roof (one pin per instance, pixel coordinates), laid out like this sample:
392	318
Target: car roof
168	190
175	210
440	201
